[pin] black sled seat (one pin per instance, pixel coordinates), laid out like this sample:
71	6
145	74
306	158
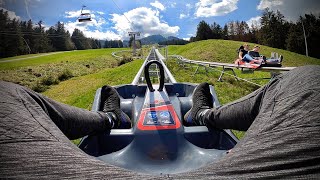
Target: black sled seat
158	142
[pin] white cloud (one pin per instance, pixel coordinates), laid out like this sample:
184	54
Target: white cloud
172	4
183	16
11	14
291	9
100	12
102	35
72	14
189	6
76	14
269	4
92	29
255	21
158	5
187	12
2	2
186	39
85	28
144	20
208	8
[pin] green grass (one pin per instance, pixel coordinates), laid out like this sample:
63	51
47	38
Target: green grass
26	56
80	91
103	69
68	56
225	51
34	71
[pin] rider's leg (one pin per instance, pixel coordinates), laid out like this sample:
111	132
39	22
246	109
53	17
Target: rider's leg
33	142
248	58
283	139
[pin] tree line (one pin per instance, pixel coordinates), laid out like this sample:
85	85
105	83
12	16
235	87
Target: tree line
174	42
274	31
25	37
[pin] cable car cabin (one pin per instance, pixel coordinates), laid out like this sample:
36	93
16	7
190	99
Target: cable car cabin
84	17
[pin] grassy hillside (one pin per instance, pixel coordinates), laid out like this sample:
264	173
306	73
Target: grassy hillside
70	56
38	73
80	91
225	51
91	69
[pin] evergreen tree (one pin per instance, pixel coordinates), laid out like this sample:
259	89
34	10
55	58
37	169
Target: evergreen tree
41	40
295	40
80	41
216	31
312	25
16	45
274	29
225	32
231	30
116	44
130	41
192	39
204	31
61	38
4	35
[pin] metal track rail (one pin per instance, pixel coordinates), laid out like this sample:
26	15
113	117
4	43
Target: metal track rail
228	67
153	55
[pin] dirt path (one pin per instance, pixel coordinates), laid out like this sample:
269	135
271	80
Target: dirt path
19	59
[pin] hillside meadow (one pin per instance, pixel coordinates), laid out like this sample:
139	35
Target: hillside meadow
73	77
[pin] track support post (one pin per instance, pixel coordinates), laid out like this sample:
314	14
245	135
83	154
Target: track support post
224	69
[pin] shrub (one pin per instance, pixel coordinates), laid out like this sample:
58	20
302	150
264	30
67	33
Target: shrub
124	60
65	75
39	88
49	80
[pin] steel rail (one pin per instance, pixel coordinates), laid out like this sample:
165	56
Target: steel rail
154	55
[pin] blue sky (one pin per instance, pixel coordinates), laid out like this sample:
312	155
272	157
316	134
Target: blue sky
112	19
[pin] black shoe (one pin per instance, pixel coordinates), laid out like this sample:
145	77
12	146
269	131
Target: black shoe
111	106
280	59
202	102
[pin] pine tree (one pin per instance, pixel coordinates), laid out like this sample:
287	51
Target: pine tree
204	31
41	40
274	29
4	35
80	41
216	31
16	44
225	32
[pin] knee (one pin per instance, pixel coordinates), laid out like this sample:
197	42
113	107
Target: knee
306	73
8	85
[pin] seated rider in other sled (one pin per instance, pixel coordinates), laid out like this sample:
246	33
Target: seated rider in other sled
256	55
243	55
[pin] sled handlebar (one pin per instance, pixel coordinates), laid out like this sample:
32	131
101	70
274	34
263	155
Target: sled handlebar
147	76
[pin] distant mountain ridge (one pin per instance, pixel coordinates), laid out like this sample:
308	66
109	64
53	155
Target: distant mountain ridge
156	39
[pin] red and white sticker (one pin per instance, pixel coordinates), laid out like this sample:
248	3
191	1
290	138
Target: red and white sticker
158	113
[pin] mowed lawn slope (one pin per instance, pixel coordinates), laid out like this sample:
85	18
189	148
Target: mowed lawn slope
40	72
91	69
226	51
80	91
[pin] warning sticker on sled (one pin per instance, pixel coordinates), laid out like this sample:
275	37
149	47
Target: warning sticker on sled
158	118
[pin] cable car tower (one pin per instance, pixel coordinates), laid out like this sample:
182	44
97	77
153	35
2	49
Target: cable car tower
133	35
84	17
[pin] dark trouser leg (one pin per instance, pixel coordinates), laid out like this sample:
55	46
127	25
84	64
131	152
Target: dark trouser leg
283	140
32	145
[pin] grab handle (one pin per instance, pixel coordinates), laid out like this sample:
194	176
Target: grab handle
147	76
